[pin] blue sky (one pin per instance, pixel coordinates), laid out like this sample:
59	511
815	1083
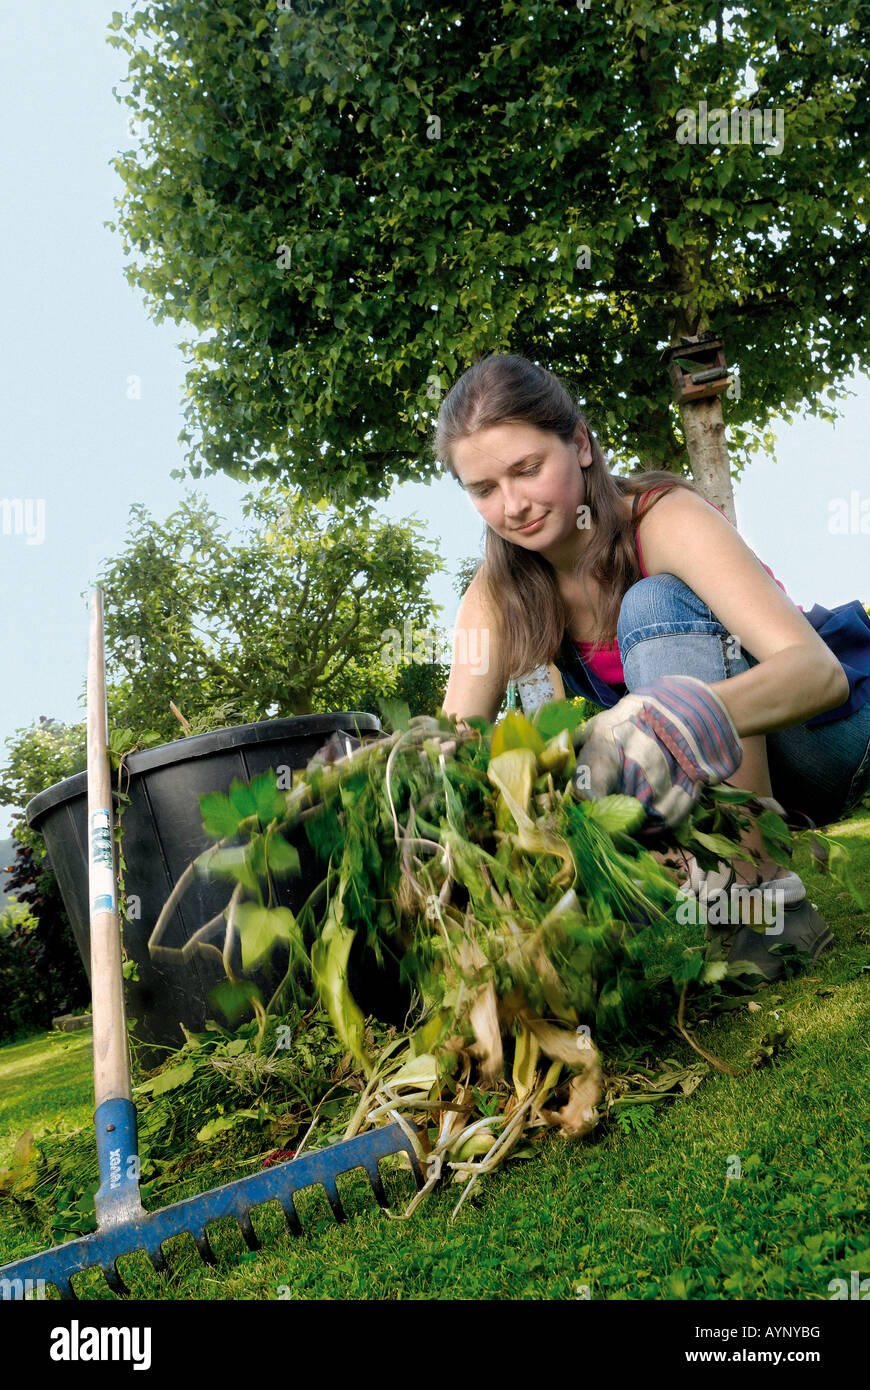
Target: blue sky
75	332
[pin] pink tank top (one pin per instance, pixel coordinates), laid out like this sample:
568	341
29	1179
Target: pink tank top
606	662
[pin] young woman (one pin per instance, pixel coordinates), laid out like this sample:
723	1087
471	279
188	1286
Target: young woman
642	596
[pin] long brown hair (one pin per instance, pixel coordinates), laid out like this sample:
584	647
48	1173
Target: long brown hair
506	389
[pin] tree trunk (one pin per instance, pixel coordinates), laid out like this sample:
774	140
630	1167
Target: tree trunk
707	447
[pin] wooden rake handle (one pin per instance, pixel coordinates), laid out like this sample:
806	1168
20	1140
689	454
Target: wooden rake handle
111	1063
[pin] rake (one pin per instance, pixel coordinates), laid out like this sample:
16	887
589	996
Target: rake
123	1224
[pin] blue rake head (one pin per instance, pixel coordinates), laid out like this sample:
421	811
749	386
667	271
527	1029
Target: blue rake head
126	1226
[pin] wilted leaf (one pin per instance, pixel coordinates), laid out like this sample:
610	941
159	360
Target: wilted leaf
25	1164
531	839
526	1054
418	1072
580	1114
487	1045
513	773
559	755
329	956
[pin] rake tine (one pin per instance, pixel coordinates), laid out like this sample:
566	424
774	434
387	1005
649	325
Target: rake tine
157	1260
334	1199
248	1232
205	1249
289	1209
374	1178
114	1280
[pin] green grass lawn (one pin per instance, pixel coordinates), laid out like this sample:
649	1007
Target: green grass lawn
654	1214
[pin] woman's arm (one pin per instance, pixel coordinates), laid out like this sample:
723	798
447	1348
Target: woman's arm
796	676
478	681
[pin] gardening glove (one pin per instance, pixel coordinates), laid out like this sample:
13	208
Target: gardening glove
661	744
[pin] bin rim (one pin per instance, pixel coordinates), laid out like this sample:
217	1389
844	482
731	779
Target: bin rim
202	745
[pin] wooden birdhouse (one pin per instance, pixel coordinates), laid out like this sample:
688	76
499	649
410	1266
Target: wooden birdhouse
697	368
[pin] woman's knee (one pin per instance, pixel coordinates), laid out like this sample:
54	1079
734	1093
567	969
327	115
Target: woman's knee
657	598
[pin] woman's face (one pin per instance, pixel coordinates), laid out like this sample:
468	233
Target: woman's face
525	482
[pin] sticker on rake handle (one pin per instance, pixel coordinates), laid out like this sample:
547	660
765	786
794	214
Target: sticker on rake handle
101	879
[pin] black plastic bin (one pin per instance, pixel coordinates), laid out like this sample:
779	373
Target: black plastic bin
163	832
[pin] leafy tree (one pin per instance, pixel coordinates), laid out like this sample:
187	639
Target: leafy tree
350	203
294	618
38	756
41	973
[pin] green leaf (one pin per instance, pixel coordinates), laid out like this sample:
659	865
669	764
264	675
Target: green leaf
242	798
233	862
516	731
220	819
551	719
840	867
225	1122
718	844
395	714
268	801
283	858
233	998
616	812
174	1077
733	795
261	928
774	827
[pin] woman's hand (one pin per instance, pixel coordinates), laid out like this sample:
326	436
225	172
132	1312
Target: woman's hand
661	743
